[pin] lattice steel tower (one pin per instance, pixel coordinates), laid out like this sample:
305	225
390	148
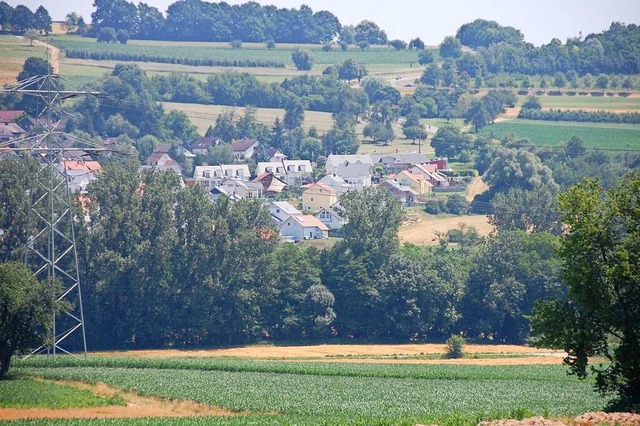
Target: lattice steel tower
50	249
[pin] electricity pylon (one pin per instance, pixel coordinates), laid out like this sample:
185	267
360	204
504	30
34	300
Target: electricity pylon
50	248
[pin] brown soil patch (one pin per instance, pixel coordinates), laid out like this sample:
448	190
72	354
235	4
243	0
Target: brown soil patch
476	187
137	406
423	231
588	419
338	352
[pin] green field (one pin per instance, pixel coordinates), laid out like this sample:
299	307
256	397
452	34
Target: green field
339	393
602	136
203	116
249	51
608	103
26	393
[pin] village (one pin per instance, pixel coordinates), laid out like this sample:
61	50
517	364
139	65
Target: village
302	197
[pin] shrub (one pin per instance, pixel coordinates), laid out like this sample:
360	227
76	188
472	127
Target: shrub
455	346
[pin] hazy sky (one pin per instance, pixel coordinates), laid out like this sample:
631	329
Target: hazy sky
539	20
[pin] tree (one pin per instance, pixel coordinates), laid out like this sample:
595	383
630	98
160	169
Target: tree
5	15
293	113
350	69
235	44
22	19
534	210
600	251
107	35
270	44
457	204
432	75
32	35
25	311
478	115
559	80
425	57
532	102
450	48
302	60
398	44
370	32
518	168
417	44
602	82
42	20
122	36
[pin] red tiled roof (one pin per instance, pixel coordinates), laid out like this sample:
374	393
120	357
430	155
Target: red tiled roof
10	116
307	221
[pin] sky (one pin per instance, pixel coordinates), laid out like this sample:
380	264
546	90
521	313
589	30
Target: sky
432	21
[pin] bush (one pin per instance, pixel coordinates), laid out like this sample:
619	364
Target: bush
433	206
455	346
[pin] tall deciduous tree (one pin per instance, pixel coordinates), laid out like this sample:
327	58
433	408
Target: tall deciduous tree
25	311
42	20
601	256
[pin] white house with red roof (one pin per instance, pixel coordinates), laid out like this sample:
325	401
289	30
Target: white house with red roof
303	227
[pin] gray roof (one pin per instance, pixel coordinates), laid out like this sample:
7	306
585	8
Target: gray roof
354	170
405	158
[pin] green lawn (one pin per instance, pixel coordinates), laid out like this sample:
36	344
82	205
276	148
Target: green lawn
603	136
340	393
27	393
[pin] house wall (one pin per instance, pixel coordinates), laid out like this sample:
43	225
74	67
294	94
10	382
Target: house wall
316	198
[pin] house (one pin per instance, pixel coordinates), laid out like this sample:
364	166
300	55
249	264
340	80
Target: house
10	131
336	182
303	227
394	163
11	116
244	148
440	163
357	175
335	161
210	176
80	173
280	210
216	192
417	181
317	196
201	146
331	217
275	167
402	193
271	185
431	173
243	189
163	162
274	155
297	171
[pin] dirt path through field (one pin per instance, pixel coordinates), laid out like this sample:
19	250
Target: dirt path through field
137	406
54	59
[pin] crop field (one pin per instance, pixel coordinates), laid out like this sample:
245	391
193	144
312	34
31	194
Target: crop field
277	392
249	51
13	52
606	103
203	116
22	393
602	136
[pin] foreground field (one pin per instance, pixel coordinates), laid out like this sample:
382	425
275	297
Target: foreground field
603	136
303	392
